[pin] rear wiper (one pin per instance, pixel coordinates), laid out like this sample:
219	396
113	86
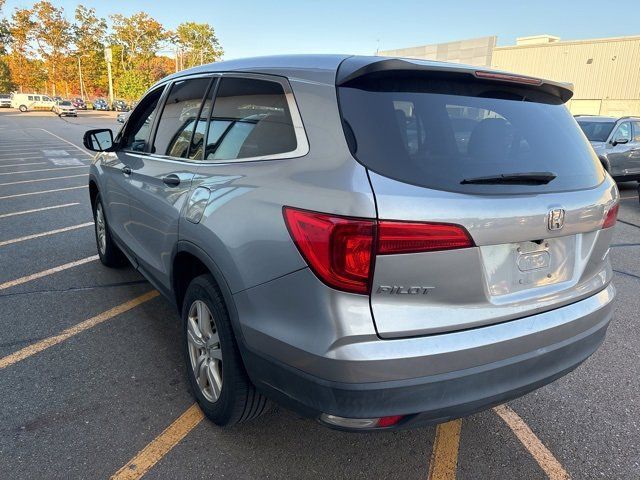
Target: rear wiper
526	178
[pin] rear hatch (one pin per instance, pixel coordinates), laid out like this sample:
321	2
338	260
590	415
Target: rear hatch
495	157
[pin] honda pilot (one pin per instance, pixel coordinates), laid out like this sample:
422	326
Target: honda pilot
375	243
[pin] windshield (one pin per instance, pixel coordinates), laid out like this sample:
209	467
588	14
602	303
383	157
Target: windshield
441	133
4	95
597	131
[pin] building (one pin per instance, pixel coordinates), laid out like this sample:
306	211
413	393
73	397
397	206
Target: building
476	51
605	72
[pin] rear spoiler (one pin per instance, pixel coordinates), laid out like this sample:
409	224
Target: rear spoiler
357	67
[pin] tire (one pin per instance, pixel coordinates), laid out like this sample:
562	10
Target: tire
110	254
22	108
235	399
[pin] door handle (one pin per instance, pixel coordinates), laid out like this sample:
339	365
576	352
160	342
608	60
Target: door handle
171	180
126	170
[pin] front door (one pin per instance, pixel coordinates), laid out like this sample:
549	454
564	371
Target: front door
160	181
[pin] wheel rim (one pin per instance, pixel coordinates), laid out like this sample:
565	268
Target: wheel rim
205	354
101	230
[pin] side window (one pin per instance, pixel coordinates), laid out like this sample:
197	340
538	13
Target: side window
30	98
179	116
623	132
636	132
138	128
196	151
250	118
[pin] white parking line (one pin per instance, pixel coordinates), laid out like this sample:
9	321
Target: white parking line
34	210
42	170
43	191
67	141
23	164
43	179
13	159
44	273
44	234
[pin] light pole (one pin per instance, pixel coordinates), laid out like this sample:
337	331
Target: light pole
108	57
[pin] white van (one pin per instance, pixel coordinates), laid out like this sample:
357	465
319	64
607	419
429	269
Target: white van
32	101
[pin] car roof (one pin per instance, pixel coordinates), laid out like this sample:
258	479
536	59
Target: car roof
602	118
332	69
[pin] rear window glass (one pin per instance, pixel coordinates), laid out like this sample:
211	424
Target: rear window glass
441	133
597	131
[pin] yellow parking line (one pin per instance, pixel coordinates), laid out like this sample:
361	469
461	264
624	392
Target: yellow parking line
47	272
444	458
34	210
532	443
70	332
42	170
43	179
43	191
22	164
44	234
161	445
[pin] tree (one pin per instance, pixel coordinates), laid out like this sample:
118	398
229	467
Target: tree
140	37
198	44
132	84
53	37
90	33
26	72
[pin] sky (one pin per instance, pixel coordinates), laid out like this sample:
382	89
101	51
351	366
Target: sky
251	28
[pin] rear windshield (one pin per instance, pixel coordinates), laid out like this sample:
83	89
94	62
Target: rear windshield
597	131
441	133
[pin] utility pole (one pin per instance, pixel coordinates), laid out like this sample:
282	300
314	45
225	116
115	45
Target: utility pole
108	56
81	82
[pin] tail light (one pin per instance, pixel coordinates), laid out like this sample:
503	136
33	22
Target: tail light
611	216
341	250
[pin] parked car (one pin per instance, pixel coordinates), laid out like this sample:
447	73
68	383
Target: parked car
5	100
333	244
28	101
122	117
120	106
65	108
57	99
616	141
79	103
100	104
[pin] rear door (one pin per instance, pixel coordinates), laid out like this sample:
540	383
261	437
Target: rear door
437	149
160	181
620	154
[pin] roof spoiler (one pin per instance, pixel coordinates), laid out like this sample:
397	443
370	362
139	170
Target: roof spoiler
358	67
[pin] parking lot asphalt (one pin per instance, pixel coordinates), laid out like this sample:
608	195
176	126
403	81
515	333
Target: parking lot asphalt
92	382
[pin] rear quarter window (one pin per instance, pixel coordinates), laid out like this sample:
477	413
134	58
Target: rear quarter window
436	133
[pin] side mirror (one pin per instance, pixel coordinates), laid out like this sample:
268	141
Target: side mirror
620	141
99	140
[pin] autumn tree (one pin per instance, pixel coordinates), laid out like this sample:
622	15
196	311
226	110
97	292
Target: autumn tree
140	37
26	71
90	32
53	36
198	44
6	84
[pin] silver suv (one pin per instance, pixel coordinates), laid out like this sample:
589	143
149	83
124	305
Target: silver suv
372	242
616	141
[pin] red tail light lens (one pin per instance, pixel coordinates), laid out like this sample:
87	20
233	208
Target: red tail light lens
507	77
408	237
389	421
611	216
340	250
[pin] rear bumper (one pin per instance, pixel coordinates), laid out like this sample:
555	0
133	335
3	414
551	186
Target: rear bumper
521	364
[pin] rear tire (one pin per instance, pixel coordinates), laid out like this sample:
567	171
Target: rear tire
22	108
110	255
215	370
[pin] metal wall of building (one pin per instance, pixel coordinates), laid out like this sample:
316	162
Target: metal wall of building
605	72
475	51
